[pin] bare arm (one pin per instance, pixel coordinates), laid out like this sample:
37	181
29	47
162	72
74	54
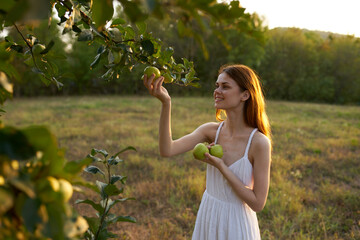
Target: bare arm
167	146
256	197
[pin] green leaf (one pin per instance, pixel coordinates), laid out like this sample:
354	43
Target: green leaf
236	11
96	61
105	234
94	159
42	76
124	47
76	29
112	190
58	84
114	160
186	63
101	151
115	178
102	11
111	57
48	47
10	70
56	216
30	214
86	35
41	138
4	95
96	206
112	203
129	33
117	21
101	49
15	144
122	219
167	53
108	74
94	170
148	47
195	84
94	224
101	186
61	10
17	48
190	75
125	149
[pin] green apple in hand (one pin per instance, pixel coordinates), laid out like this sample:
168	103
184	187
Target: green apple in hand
217	150
199	151
149	70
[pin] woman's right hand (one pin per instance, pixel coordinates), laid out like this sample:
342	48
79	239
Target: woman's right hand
155	88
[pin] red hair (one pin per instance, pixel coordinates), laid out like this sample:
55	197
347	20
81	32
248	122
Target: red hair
247	79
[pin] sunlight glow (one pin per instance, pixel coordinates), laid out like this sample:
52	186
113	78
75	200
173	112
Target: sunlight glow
324	15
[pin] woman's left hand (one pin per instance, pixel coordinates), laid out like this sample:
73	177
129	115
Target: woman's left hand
215	161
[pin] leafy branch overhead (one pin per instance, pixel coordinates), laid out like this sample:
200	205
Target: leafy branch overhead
124	41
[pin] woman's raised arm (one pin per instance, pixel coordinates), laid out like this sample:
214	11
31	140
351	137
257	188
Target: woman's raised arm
169	147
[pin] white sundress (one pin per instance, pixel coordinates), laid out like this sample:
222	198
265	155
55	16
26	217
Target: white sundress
222	214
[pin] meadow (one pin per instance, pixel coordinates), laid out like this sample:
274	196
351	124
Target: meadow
315	172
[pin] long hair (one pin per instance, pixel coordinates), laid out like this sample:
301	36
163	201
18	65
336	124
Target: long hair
247	79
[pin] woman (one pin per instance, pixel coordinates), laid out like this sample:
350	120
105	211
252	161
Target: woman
237	184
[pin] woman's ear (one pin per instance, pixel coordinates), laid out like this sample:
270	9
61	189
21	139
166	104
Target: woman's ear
245	95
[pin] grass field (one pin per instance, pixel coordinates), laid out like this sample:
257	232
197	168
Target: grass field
315	173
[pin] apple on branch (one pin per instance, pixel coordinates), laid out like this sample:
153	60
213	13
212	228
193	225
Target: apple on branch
150	70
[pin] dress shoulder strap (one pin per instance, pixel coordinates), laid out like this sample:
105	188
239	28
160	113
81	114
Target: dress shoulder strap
249	143
218	131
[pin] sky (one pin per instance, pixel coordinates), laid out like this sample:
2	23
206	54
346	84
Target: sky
337	16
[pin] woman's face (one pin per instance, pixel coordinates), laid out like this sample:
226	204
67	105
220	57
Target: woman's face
227	93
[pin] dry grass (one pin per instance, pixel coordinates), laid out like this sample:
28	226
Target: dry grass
315	178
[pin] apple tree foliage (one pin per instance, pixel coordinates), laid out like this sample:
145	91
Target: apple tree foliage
31	207
124	41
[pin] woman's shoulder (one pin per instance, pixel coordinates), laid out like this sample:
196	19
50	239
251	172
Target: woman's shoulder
260	140
209	126
209	129
260	147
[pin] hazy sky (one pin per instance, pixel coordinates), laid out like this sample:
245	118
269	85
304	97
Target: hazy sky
338	16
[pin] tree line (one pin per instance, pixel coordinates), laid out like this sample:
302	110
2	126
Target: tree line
293	64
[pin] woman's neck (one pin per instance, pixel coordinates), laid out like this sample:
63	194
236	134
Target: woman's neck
235	122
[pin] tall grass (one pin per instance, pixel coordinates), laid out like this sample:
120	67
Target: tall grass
315	173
